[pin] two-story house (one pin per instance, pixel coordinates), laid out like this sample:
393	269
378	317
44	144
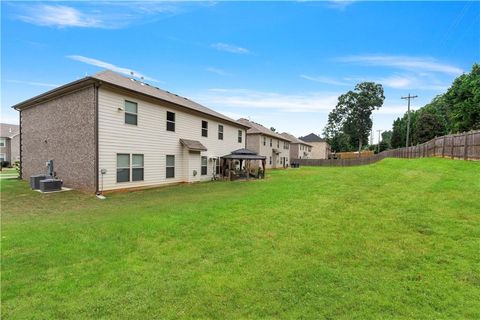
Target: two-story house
9	143
108	132
320	146
267	143
298	149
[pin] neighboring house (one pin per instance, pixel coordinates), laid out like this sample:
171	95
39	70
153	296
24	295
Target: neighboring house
108	132
320	147
9	143
268	143
298	149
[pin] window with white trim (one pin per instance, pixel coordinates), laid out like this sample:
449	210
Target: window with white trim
220	132
137	167
264	141
123	167
204	166
204	129
170	121
240	136
170	166
3	142
127	172
270	142
131	112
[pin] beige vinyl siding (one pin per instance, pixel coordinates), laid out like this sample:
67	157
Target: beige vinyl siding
255	143
150	138
320	150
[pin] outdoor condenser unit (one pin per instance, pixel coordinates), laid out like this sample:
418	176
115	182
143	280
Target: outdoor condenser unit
48	185
35	181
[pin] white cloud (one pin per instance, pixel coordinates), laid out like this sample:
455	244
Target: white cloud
107	15
59	16
417	64
325	80
230	48
32	83
107	65
243	98
339	4
218	71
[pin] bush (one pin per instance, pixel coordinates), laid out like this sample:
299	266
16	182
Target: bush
5	164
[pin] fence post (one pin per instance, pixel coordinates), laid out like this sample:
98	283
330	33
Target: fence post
443	147
453	146
465	147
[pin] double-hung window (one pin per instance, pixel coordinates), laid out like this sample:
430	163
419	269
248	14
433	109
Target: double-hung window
137	167
264	141
217	166
123	167
278	143
131	112
170	167
204	129
2	142
220	132
170	121
204	166
125	170
270	142
240	136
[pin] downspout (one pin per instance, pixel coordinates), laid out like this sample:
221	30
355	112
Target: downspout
96	86
20	142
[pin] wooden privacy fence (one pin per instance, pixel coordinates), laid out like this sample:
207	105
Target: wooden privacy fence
465	146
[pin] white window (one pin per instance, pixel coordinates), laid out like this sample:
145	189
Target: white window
131	112
2	142
220	132
123	167
270	142
170	121
125	171
170	167
204	129
204	166
137	167
264	141
240	136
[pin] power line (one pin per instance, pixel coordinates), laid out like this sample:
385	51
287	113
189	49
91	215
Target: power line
409	97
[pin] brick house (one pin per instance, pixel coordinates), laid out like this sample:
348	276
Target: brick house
108	131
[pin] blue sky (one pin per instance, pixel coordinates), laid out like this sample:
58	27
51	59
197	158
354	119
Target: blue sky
282	64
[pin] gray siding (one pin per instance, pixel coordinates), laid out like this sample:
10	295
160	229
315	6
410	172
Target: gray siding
62	129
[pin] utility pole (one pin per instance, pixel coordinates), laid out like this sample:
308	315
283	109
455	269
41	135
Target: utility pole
378	144
409	97
371	137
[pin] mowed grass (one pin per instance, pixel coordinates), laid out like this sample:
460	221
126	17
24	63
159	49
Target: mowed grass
399	239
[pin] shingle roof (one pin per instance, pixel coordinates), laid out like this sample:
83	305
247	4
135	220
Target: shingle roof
9	130
256	128
112	78
193	145
312	137
294	140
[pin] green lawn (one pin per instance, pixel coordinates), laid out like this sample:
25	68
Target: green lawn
399	239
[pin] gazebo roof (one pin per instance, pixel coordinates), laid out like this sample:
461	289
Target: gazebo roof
244	154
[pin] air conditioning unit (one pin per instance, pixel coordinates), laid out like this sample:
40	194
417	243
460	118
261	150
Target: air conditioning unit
35	181
49	185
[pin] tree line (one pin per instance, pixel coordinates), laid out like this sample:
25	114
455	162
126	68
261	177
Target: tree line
457	110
